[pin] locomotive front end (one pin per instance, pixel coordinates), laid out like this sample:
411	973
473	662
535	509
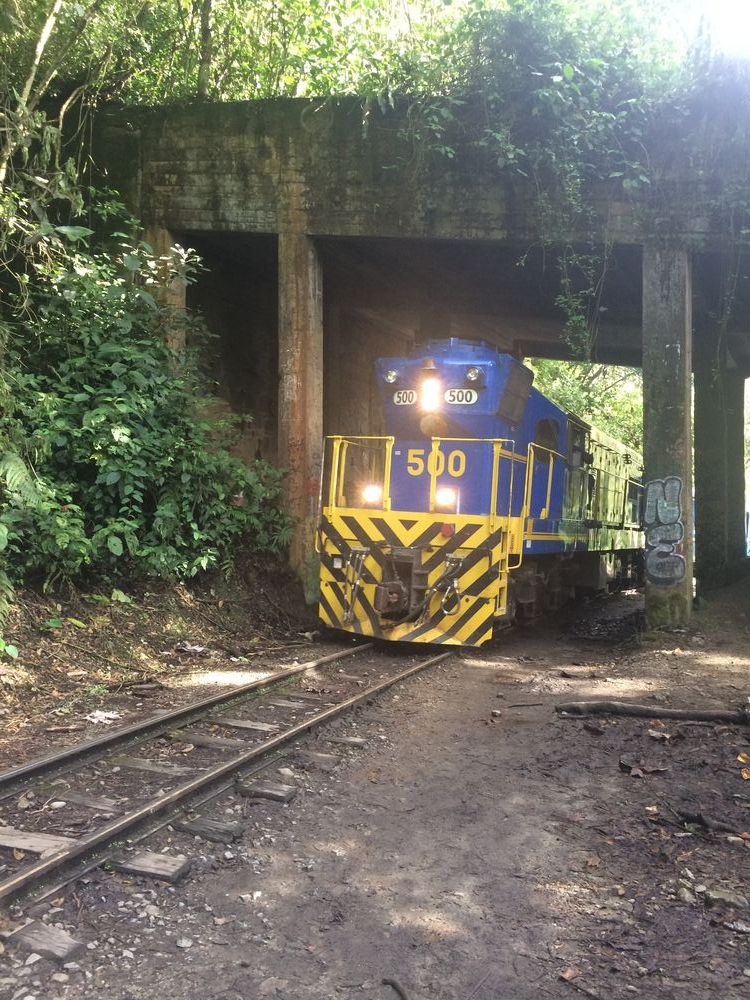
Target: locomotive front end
415	525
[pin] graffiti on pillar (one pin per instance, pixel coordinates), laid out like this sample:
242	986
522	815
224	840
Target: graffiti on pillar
662	521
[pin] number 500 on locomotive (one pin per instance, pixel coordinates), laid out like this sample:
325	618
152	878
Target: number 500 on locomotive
483	503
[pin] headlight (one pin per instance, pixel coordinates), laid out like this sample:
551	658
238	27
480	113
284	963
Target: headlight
430	395
445	497
372	494
391	376
472	374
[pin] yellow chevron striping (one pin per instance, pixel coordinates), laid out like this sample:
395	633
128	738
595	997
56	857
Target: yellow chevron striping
473	619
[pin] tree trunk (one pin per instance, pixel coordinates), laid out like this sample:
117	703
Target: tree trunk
206	53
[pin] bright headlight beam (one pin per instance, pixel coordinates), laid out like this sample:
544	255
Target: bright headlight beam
372	493
430	395
445	497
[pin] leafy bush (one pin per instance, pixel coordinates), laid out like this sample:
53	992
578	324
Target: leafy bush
127	477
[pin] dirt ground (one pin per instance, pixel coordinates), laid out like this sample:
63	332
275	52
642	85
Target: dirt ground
479	846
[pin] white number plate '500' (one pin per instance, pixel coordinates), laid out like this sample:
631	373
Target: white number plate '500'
405	397
461	396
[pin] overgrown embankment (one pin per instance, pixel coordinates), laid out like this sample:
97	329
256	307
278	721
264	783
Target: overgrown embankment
107	471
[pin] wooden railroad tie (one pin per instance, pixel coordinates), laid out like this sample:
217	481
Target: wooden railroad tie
43	844
311	758
210	829
261	727
152	766
47	941
98	803
267	790
206	740
163	866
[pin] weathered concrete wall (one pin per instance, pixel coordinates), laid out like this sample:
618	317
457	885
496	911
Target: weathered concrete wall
227	167
719	459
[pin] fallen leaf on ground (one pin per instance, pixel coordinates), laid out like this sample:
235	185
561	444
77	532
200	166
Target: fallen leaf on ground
656	734
743	758
593	862
18	855
745	772
570	973
105	717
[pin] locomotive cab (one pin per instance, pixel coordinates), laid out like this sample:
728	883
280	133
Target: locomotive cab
458	518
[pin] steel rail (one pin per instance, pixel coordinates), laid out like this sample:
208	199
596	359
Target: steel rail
91	865
164	719
33	873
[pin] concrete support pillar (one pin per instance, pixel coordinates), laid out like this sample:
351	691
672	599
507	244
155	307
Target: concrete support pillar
301	393
737	501
719	461
667	444
173	294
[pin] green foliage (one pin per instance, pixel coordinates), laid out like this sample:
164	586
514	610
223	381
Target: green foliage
609	397
105	469
126	479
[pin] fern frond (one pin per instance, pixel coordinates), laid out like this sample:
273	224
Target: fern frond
18	482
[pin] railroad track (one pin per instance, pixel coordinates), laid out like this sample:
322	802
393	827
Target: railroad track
69	811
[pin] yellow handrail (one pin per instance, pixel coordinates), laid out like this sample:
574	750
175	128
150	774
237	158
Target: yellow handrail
387	473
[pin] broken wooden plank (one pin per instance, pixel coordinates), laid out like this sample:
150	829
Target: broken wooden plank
37	843
206	740
152	766
267	790
168	867
347	741
100	803
285	703
307	696
261	727
210	829
47	941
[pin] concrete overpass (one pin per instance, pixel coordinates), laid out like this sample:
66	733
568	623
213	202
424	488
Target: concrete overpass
331	238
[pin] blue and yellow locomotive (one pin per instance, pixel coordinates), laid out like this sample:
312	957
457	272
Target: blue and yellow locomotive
484	502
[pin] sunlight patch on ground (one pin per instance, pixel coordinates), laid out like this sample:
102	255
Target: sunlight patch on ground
218	678
563	892
339	848
499	661
432	923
